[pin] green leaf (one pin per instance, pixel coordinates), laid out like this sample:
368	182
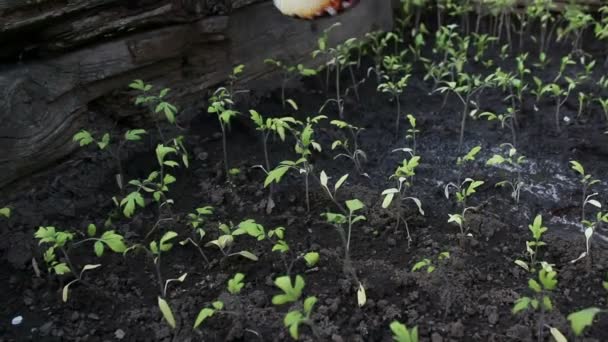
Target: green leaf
236	283
91	230
534	286
495	160
114	241
311	258
354	205
581	319
402	334
202	316
292	321
248	255
166	311
98	247
389	194
275	175
291	292
128	203
557	335
521	304
576	166
292	103
6	212
340	182
309	303
105	141
61	269
164	244
83	138
135	134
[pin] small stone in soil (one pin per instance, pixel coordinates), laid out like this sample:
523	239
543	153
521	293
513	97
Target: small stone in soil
119	334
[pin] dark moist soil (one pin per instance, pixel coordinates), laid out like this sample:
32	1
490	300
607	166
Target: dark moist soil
468	298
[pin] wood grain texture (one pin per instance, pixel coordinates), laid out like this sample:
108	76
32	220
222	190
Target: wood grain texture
87	49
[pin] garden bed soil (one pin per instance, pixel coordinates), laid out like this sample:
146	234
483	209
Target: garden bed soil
468	298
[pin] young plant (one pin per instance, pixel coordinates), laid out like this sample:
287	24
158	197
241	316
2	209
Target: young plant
577	21
590	228
228	233
395	89
541	300
292	292
561	96
506	121
427	264
221	102
466	88
404	175
267	128
513	161
85	138
463	191
155	103
196	220
586	181
538	230
401	333
412	132
338	221
305	145
60	240
280	245
354	152
288	73
463	161
233	308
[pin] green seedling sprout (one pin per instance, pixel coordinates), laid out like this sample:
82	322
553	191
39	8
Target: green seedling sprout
427	264
586	181
338	221
541	11
354	152
412	132
463	192
577	21
538	230
466	88
589	230
292	292
280	245
395	89
234	287
288	73
155	250
513	160
156	103
401	333
404	175
84	138
560	95
506	121
305	145
269	127
541	300
196	220
221	102
228	234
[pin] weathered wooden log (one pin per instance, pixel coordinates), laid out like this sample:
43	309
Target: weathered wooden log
43	100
